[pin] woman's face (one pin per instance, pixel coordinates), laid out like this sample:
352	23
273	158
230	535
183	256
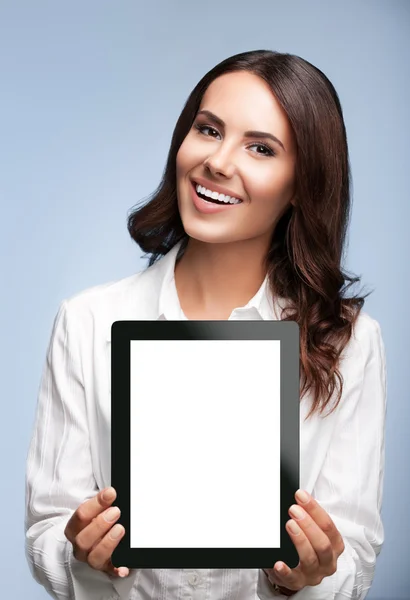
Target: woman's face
241	145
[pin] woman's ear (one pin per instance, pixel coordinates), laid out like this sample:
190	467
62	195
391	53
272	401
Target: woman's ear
293	199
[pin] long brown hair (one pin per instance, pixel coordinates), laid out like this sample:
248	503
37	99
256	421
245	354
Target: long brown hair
304	260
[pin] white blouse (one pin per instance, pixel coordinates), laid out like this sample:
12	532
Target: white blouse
341	455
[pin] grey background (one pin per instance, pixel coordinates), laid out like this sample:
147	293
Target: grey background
90	93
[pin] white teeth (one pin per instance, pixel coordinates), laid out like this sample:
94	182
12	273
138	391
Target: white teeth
215	196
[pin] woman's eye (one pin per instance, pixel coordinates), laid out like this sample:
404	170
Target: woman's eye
207	130
262	149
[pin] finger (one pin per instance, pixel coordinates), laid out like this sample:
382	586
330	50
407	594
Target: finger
91	535
292	579
116	571
100	556
308	560
87	511
322	518
318	540
273	576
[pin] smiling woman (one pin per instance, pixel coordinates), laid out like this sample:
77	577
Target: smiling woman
266	128
248	222
224	152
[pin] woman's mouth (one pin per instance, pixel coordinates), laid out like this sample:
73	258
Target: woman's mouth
209	201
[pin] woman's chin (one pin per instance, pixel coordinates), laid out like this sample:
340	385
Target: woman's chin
210	235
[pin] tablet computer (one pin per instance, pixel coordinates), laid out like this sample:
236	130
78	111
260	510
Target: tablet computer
205	442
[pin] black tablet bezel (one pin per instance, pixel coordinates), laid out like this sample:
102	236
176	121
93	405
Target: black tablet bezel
122	333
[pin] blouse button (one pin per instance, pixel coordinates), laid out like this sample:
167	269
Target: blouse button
194	579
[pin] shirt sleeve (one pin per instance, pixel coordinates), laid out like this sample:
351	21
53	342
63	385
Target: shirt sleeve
59	474
350	484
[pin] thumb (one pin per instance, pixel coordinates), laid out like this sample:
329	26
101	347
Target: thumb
117	571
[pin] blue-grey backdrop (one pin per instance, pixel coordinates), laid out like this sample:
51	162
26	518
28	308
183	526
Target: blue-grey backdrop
90	93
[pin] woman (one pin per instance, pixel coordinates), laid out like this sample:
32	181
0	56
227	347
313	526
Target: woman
248	222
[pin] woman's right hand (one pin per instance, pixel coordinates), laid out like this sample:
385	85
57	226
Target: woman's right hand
93	533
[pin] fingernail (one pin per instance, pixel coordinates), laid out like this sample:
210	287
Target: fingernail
112	513
116	531
123	571
302	496
294	527
108	494
297	512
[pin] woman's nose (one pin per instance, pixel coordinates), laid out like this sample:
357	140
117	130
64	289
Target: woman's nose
221	163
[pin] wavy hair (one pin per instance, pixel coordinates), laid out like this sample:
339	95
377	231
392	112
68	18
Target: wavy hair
303	263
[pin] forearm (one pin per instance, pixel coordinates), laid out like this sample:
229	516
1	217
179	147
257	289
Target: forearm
46	554
59	473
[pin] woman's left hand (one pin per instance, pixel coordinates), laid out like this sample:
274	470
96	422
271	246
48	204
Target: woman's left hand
318	542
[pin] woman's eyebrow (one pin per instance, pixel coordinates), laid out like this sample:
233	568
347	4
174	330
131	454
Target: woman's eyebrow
250	134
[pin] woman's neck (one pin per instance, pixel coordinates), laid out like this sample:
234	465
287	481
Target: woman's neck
213	279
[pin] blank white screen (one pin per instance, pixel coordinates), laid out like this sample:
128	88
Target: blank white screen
205	444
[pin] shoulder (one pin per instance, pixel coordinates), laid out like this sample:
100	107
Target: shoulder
105	297
103	293
366	339
365	325
134	297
